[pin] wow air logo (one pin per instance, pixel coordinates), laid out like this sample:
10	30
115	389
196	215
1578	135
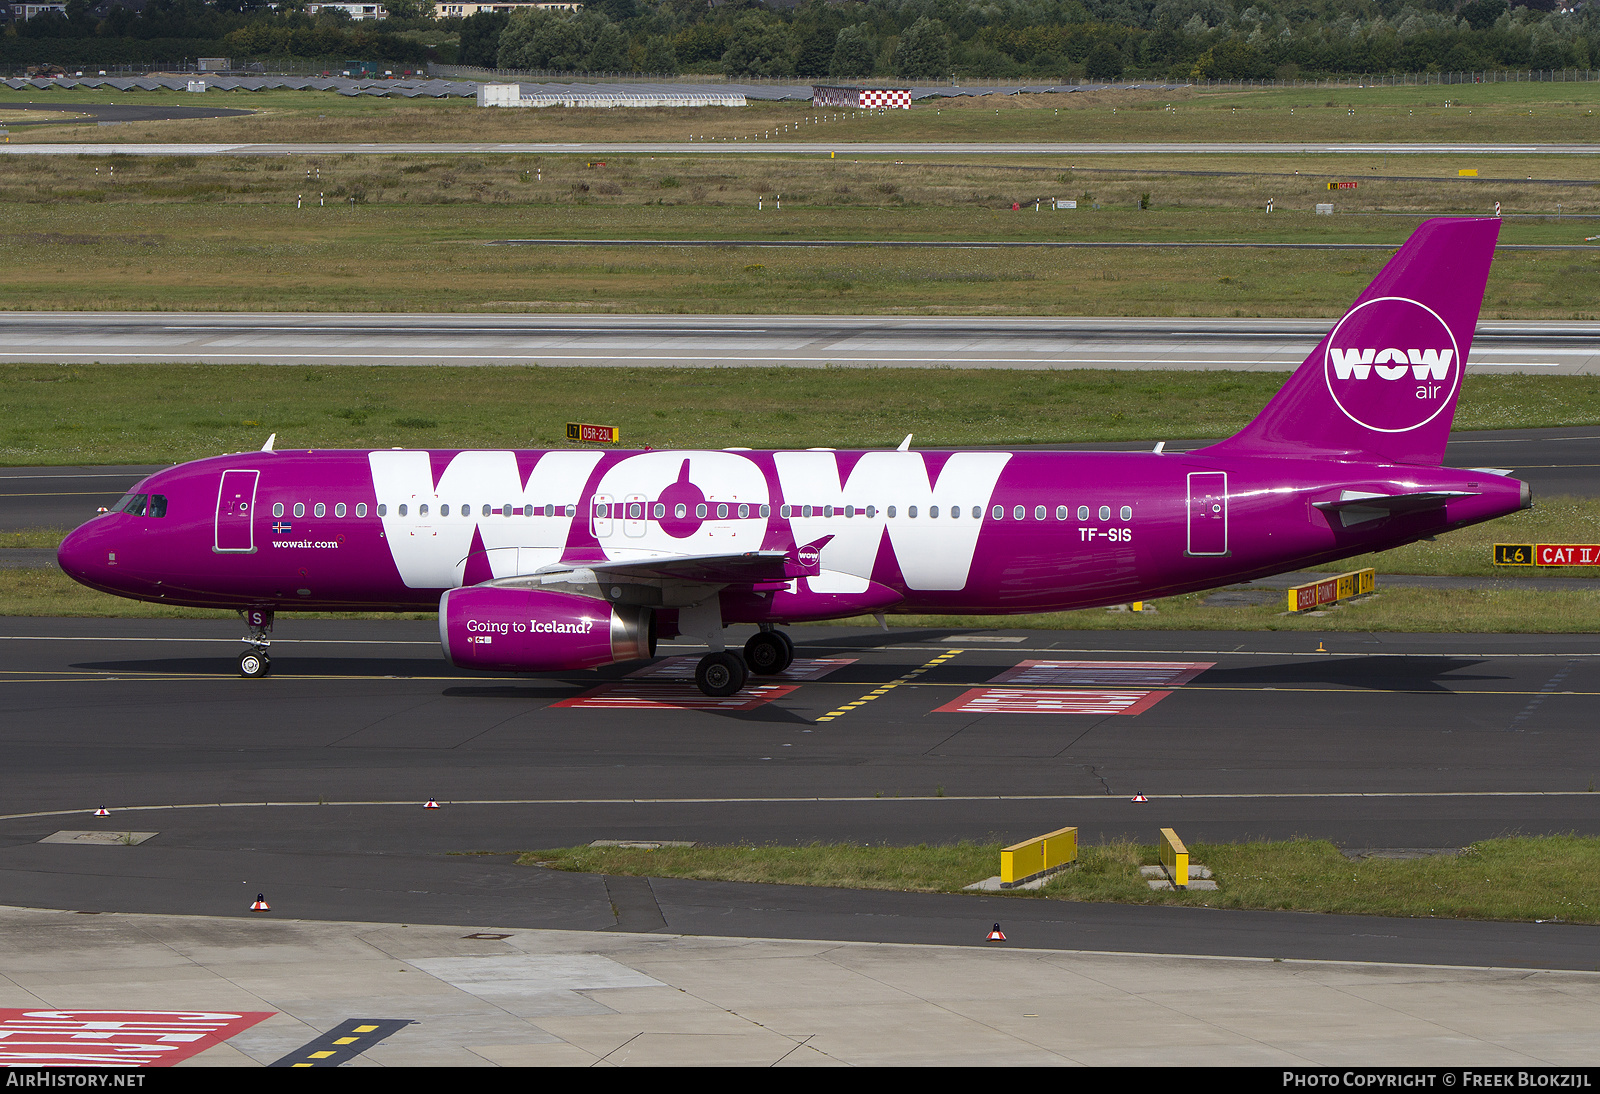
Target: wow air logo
1392	365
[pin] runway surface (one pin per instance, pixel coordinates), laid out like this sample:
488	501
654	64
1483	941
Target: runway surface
819	147
311	782
1563	461
1535	347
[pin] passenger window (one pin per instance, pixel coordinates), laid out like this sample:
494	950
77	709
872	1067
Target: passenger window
602	510
849	512
700	511
766	511
444	510
891	512
1020	512
321	510
998	512
933	512
722	512
488	510
422	510
361	508
872	511
572	510
805	510
338	510
977	512
911	511
1061	512
1127	512
955	512
1038	512
827	511
1105	512
299	508
1083	512
635	510
277	508
402	510
383	510
158	505
660	510
680	510
744	511
785	511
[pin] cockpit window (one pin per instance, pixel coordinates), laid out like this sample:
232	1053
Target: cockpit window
158	505
132	504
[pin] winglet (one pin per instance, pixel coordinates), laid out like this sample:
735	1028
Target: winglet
905	445
268	446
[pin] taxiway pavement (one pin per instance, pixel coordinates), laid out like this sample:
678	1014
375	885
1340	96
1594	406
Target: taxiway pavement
1542	347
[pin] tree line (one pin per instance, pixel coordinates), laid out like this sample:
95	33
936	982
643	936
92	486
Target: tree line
910	39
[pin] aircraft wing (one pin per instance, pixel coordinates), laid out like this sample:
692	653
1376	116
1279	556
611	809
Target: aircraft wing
744	568
1359	506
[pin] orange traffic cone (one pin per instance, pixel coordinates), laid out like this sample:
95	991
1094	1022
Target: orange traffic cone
102	812
261	903
1140	798
431	804
997	935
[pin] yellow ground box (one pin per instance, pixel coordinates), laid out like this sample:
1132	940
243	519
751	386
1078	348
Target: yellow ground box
1175	858
1031	859
1468	172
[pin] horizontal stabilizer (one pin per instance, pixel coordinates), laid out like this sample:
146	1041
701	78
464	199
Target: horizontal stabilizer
1359	506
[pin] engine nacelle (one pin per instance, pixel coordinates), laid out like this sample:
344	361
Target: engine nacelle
529	630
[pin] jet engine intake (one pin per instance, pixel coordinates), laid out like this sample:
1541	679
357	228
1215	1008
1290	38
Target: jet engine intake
529	630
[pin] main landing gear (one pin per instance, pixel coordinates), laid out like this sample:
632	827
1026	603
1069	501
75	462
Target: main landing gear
254	662
724	672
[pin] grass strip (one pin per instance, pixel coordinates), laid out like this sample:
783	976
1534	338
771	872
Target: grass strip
50	593
167	413
1515	878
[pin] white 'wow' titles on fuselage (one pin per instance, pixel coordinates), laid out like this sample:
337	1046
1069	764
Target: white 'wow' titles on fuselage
430	551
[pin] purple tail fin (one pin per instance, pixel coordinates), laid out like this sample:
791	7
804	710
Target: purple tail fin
1383	383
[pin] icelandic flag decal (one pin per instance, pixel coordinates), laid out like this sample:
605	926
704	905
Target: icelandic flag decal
279	527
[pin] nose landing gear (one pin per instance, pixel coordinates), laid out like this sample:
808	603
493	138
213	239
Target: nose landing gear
254	662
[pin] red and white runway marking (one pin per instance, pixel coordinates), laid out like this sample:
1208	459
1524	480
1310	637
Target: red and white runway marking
802	668
1051	701
669	695
1102	674
40	1037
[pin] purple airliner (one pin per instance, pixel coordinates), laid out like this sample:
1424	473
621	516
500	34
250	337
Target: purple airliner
549	561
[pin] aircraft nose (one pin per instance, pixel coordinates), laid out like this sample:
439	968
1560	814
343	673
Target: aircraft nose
82	554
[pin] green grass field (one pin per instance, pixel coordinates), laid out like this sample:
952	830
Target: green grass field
1541	878
1517	112
83	414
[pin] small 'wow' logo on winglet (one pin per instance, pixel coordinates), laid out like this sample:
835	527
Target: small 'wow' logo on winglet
1392	365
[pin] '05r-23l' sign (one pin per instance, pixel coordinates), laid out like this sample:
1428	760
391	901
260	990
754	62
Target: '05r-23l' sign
593	434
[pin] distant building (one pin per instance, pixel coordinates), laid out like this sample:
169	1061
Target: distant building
867	98
23	12
357	12
461	11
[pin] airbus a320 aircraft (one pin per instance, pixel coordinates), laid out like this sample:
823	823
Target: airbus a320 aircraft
547	561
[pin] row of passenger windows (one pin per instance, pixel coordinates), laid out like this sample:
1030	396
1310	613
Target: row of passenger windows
635	510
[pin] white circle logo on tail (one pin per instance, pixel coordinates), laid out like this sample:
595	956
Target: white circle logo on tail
1392	365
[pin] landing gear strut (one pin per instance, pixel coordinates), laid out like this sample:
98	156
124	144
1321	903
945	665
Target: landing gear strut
769	652
254	662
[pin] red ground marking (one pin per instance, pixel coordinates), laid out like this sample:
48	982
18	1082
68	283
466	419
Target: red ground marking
802	668
1103	674
645	695
114	1038
1051	701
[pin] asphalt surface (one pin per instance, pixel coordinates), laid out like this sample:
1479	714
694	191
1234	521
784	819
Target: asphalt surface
1534	347
816	148
310	784
15	114
1555	462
